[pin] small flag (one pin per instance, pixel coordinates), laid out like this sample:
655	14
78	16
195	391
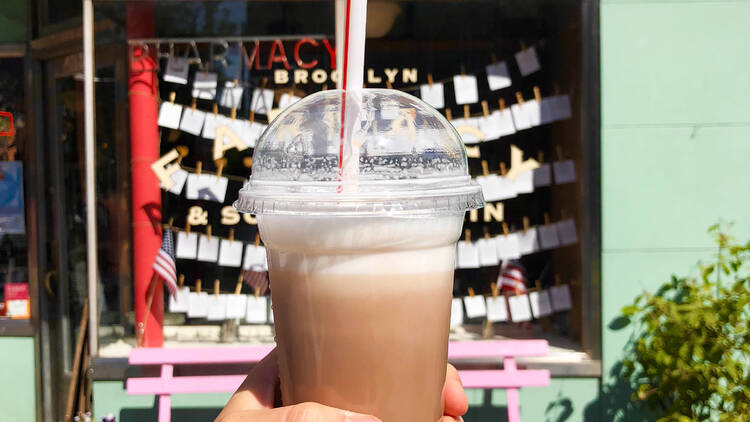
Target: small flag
164	264
512	276
257	277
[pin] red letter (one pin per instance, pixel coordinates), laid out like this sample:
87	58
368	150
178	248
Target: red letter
297	58
331	52
255	58
274	58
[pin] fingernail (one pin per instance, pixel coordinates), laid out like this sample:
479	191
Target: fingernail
356	417
460	419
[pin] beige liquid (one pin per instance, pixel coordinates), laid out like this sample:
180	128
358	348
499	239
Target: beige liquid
373	343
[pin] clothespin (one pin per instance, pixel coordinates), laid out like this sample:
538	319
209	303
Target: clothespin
233	113
505	229
471	292
517	288
559	150
448	114
193	104
485	168
503	170
208	231
187	228
537	94
463	70
170	222
324	87
181	280
557	89
220	163
264	82
546	219
519	97
557	280
251	116
485	108
525	224
467	234
486	233
257	239
467	114
247	161
217	286
216	109
501	104
198	167
231	235
430	81
388	84
238	286
198	285
182	151
523	45
172	97
538	285
494	289
563	214
493	57
540	156
256	292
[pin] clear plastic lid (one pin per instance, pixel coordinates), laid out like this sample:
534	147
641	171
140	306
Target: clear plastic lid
400	157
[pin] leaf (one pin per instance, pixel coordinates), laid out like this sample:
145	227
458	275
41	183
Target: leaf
619	323
629	310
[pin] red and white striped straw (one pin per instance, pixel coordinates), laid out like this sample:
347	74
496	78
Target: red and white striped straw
353	57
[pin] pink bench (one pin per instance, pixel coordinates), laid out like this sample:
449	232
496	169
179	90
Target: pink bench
509	378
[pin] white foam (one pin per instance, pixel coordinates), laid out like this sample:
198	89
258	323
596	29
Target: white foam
357	245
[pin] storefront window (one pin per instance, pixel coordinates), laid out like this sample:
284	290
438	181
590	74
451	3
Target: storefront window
513	82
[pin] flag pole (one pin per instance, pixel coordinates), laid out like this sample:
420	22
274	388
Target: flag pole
149	300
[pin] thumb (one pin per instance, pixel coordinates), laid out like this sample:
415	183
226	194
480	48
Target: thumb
303	412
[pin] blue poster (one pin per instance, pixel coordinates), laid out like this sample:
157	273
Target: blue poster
11	198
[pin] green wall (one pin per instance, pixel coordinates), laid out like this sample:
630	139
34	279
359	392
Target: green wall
675	142
18	378
13	22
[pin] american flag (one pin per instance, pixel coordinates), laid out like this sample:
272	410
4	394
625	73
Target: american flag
512	276
164	264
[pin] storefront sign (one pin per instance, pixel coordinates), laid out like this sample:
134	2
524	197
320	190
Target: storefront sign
17	300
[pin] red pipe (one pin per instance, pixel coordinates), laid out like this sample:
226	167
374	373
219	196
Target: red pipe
146	194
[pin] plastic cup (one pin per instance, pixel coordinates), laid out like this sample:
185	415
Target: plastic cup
361	255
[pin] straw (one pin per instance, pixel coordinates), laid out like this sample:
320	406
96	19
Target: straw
352	74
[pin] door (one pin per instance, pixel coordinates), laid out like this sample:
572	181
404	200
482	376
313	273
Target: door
62	214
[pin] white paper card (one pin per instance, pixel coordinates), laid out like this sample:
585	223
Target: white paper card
468	136
206	186
210	123
520	119
169	115
217	307
432	95
548	236
566	231
198	305
547	110
178	179
527	60
231	95
532	112
457	312
192	121
498	76
270	310
254	256
497	309
564	171
257	310
524	182
262	101
527	242
560	296
180	301
208	248
487	253
491	188
475	306
177	70
497	124
468	255
519	308
561	107
187	245
542	175
230	253
287	99
465	87
540	304
236	306
204	85
507	246
507	189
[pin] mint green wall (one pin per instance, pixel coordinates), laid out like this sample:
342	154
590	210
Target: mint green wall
675	142
13	22
18	379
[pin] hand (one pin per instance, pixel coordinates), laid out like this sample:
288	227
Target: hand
254	400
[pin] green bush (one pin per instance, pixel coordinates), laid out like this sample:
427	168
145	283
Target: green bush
691	357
